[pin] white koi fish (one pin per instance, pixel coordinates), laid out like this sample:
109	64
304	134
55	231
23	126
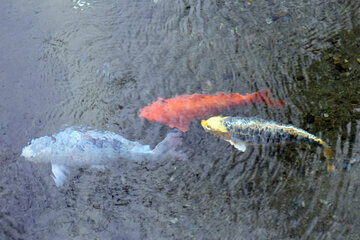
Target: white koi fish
78	147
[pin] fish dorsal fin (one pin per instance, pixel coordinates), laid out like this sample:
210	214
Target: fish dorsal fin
59	174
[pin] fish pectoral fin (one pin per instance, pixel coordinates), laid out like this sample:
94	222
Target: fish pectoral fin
238	145
59	174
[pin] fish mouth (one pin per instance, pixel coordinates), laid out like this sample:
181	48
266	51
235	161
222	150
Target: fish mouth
205	125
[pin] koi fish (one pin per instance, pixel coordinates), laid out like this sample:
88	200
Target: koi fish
80	147
179	111
241	131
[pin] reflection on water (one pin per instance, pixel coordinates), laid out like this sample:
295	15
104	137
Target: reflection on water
98	64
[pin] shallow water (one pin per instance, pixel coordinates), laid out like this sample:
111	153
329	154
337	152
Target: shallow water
96	63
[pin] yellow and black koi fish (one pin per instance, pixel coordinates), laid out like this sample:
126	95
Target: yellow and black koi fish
241	131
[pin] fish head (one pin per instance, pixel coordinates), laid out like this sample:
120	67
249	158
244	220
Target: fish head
215	125
38	149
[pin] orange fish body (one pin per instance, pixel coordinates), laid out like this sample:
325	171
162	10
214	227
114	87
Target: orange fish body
179	111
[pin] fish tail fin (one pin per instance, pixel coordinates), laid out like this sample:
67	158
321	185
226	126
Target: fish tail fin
328	152
263	97
170	145
330	156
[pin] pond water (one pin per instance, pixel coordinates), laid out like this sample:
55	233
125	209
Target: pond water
97	63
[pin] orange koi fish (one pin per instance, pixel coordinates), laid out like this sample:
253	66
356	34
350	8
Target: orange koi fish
179	111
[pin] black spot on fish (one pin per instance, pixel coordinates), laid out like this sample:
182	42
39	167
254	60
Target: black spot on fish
267	134
117	145
99	143
277	135
270	140
116	148
92	141
261	132
81	148
291	138
242	137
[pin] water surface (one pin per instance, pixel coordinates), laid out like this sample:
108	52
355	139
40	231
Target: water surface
96	63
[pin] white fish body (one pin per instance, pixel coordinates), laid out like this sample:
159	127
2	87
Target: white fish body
80	147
